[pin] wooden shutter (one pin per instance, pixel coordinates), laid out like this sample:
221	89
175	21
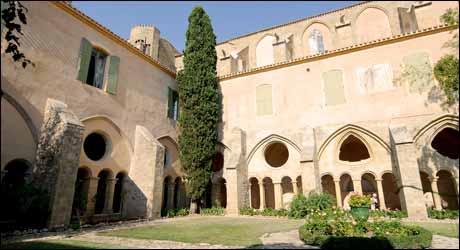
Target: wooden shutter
170	103
113	75
85	58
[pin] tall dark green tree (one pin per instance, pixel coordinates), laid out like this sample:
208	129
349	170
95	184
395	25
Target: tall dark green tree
199	104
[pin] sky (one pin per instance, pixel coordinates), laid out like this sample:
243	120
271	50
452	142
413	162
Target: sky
229	19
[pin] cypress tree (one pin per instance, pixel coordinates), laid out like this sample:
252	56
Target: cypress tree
200	105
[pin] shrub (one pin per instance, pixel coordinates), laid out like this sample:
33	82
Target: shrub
175	212
248	211
359	201
388	214
299	208
446	72
320	201
268	212
212	211
443	214
182	212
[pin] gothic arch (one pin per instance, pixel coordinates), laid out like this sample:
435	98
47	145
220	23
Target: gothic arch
327	35
370	26
264	51
444	121
349	129
271	138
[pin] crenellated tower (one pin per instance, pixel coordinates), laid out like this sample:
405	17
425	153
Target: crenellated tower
146	38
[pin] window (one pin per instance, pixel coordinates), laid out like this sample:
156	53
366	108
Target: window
96	68
264	99
315	40
173	104
353	150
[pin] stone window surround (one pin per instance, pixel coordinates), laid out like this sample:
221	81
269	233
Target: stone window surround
339	144
108	145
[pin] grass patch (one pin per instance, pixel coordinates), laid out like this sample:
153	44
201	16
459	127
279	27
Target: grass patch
58	244
444	229
212	230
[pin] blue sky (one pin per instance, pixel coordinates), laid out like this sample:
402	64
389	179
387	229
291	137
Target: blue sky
229	19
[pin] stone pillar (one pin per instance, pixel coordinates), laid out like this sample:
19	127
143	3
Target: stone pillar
308	177
57	161
109	192
145	182
338	193
278	195
250	194
435	192
380	194
262	195
406	170
357	186
295	188
92	190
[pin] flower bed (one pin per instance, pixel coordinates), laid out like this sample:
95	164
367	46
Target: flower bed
334	228
397	214
212	211
443	214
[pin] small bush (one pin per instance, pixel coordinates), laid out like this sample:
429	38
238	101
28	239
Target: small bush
175	212
248	211
212	211
182	212
388	214
359	201
320	201
443	214
299	208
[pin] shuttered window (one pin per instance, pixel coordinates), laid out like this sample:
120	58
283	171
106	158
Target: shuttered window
113	75
264	100
173	104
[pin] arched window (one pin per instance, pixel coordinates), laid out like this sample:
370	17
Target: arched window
353	150
447	143
315	41
264	51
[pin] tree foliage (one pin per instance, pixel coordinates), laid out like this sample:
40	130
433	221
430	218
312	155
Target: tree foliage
199	103
12	10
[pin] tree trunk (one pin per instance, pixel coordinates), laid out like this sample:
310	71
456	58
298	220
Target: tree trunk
193	206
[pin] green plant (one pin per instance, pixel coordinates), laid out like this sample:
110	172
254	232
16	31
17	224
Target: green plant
397	214
446	72
359	201
213	211
200	105
443	214
248	211
320	201
182	212
299	208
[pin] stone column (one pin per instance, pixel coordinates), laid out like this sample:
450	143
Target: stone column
338	193
357	186
380	194
262	195
92	190
250	194
435	192
278	195
309	181
295	188
57	161
108	203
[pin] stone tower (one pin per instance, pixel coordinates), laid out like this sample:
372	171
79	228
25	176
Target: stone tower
146	38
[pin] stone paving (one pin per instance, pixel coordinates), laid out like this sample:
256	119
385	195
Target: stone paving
443	242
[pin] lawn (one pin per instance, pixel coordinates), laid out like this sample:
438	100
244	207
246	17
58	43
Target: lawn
212	230
58	244
444	229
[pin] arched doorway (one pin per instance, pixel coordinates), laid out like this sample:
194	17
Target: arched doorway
164	203
447	143
13	182
427	191
80	198
221	191
119	192
390	193
368	184
446	188
102	189
255	193
327	184
346	186
269	192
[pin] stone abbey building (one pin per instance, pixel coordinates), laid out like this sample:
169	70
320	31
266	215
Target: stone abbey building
340	102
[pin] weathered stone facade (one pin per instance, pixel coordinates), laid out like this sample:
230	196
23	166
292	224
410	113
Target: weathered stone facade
325	103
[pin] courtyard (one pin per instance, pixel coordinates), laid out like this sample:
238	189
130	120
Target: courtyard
207	232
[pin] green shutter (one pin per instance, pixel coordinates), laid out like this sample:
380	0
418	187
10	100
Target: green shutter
113	75
170	103
85	58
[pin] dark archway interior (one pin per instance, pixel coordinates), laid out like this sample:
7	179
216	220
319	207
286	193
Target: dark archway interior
276	154
353	150
117	196
81	192
11	188
101	191
94	146
217	162
447	143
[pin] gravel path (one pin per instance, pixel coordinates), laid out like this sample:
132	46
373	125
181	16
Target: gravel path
443	242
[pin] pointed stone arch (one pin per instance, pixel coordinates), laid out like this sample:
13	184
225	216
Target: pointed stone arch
272	138
441	122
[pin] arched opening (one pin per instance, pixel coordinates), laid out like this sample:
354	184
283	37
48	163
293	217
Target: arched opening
346	186
447	143
276	154
353	150
255	193
390	192
95	146
328	185
218	162
164	203
118	198
372	24
269	192
427	191
13	183
102	189
368	184
80	198
221	193
179	194
286	185
264	51
299	184
446	188
315	41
